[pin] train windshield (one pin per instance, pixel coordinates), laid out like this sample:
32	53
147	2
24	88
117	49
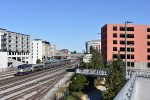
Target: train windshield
21	66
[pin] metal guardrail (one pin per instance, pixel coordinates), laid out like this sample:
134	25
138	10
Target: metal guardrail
143	73
126	92
94	72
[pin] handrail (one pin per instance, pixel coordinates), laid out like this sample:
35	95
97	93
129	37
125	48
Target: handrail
126	92
101	72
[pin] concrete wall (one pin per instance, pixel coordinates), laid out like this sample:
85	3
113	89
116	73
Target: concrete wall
141	65
3	60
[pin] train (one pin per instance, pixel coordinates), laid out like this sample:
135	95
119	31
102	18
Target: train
25	69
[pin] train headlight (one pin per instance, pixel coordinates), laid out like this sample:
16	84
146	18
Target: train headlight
21	70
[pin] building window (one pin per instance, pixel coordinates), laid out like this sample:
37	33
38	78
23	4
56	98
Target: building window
114	48
122	49
128	56
122	35
122	42
114	34
148	43
114	55
148	57
132	49
122	56
148	49
148	36
130	28
132	56
130	35
132	64
130	42
148	29
114	41
122	28
128	64
114	28
148	64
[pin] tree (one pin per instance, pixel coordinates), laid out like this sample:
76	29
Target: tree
75	52
78	83
38	61
116	78
96	60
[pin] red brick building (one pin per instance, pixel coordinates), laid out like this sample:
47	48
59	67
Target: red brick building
138	44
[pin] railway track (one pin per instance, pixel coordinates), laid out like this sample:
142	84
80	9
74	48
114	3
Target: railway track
41	93
6	75
4	87
29	86
35	87
35	93
17	78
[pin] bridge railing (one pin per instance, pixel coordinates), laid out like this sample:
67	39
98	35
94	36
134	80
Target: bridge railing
97	72
143	73
126	93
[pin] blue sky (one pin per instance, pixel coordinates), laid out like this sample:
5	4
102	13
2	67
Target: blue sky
69	23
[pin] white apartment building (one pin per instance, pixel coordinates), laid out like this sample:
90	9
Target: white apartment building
94	44
42	50
53	50
87	58
36	50
14	48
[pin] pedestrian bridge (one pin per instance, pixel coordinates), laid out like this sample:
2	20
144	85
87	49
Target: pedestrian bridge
92	72
136	88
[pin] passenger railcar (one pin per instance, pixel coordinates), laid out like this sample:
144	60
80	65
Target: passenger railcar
28	68
37	67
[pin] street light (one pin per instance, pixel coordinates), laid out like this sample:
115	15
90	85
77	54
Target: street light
100	41
130	59
126	22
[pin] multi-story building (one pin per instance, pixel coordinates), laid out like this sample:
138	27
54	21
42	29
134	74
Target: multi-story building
53	49
42	50
87	58
14	48
65	51
94	44
36	50
46	49
138	44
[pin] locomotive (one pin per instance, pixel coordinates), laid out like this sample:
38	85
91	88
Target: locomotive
25	69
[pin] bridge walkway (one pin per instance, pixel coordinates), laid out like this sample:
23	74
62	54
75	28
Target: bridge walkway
142	90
